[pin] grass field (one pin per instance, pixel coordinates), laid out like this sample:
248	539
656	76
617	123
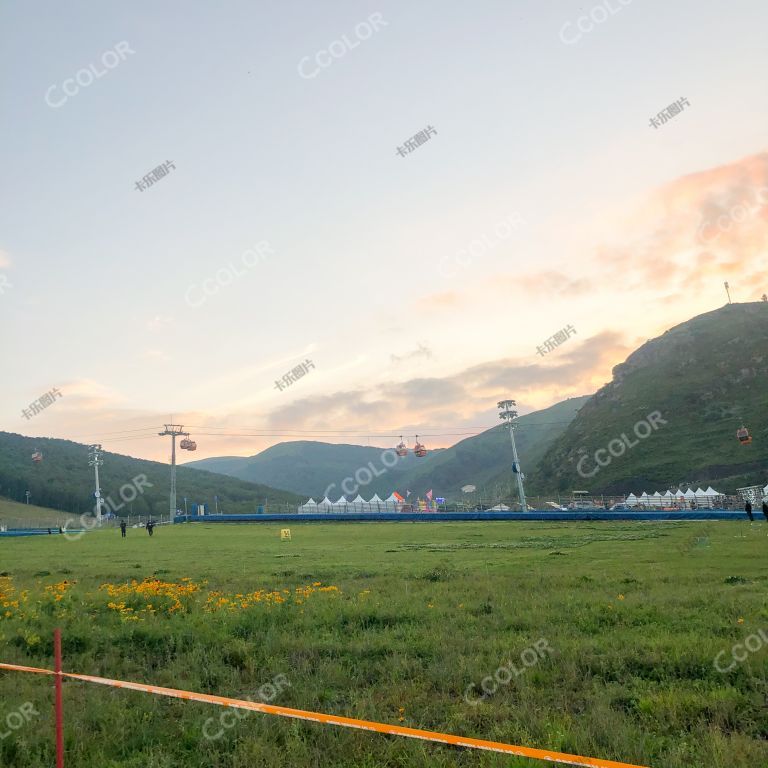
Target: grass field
633	615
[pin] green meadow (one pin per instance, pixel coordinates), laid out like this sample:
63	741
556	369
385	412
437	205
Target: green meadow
398	623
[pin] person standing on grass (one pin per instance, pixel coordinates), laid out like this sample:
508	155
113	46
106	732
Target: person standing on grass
748	510
122	528
150	527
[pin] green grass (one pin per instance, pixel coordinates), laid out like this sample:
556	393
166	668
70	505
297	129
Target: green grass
424	611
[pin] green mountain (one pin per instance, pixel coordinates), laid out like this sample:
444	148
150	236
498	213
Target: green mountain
64	481
705	378
485	460
309	467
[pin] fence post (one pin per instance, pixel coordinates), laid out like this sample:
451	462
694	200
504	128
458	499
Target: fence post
58	698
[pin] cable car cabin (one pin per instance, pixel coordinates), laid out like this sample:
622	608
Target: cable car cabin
419	449
37	457
744	437
188	445
401	449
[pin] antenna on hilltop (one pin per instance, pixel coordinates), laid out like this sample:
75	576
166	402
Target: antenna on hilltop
727	291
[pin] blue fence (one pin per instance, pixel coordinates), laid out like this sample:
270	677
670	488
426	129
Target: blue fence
34	532
431	517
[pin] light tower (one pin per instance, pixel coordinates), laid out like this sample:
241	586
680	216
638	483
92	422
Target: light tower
174	430
508	415
94	460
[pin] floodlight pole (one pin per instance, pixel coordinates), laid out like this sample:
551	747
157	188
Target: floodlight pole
174	431
508	416
94	456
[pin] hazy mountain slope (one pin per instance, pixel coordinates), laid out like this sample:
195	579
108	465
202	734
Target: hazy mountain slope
483	460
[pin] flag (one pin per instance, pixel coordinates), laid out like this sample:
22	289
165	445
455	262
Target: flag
428	494
398	496
407	494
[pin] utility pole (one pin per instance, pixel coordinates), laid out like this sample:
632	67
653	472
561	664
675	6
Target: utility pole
94	460
508	416
174	431
727	292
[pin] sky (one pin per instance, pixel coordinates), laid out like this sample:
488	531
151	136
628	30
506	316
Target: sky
198	199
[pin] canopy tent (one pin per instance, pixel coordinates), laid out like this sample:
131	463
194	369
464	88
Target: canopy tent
377	504
325	504
631	500
394	501
310	506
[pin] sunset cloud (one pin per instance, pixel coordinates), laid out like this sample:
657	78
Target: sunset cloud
712	224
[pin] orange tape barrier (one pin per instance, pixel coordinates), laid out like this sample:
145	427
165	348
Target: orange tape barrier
346	722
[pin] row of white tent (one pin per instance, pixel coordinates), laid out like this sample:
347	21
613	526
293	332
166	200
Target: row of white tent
706	498
375	504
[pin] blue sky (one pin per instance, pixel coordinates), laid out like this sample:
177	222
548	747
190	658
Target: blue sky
555	134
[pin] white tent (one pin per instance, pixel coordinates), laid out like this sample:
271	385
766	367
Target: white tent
310	506
377	504
325	505
765	491
689	494
644	499
631	500
657	497
393	503
668	495
341	505
359	504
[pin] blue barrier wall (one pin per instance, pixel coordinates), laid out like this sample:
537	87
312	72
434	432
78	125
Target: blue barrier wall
431	517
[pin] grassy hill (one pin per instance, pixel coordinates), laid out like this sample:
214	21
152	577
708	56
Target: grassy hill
14	514
484	460
705	377
65	482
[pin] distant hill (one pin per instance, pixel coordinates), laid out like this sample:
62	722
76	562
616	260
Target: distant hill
309	467
705	377
64	481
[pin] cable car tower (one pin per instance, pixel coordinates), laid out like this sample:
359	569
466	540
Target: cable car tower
174	431
508	416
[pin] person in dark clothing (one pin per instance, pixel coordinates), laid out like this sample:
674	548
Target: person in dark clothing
765	509
748	510
122	528
150	527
